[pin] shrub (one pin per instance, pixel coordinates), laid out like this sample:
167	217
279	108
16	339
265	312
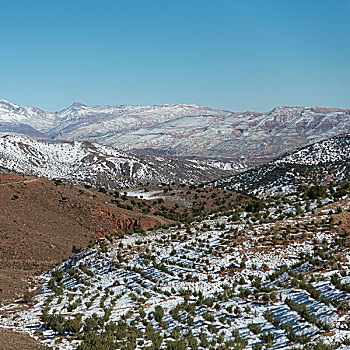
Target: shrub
254	328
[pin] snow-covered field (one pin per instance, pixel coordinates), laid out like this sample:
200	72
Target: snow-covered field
141	194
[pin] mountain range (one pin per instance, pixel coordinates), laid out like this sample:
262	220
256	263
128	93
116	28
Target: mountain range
189	131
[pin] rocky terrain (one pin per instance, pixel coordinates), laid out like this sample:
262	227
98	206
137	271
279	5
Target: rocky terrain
249	138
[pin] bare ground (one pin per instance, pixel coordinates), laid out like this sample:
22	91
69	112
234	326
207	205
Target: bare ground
16	341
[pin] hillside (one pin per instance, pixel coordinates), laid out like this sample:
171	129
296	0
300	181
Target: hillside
320	163
181	130
90	163
41	221
335	149
262	274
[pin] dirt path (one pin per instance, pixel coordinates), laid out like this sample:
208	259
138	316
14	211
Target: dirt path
32	179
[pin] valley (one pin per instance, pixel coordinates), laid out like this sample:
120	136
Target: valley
174	175
103	249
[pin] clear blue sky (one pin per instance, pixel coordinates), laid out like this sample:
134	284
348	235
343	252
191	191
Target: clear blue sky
235	55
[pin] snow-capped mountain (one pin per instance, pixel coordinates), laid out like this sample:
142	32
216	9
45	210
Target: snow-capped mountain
107	123
191	130
25	120
182	130
319	163
85	162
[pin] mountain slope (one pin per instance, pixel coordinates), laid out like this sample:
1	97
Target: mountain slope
85	162
41	221
25	120
319	163
327	151
182	130
249	136
105	121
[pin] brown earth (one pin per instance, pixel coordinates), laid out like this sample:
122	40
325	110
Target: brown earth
16	341
344	228
40	222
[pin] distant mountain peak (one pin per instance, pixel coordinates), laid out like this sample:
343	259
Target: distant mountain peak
8	103
78	104
74	107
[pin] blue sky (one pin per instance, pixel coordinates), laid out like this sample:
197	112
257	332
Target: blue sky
235	55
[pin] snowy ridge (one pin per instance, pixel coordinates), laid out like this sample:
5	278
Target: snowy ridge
84	162
321	162
331	150
221	164
80	119
12	114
